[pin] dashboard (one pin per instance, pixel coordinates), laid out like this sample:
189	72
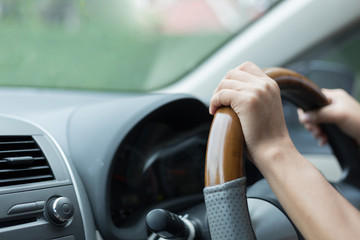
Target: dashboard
90	165
103	161
114	156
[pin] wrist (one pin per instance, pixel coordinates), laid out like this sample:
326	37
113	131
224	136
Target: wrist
274	154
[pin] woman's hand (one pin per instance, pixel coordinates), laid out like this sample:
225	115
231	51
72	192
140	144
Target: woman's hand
316	208
256	99
344	111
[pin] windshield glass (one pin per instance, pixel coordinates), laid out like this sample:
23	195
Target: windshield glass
127	45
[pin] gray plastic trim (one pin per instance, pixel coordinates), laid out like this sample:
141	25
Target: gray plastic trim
38	130
88	231
89	234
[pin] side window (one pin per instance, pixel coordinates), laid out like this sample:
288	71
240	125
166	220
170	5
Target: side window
347	53
332	64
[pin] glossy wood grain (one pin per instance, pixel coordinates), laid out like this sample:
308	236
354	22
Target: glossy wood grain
297	88
224	154
225	148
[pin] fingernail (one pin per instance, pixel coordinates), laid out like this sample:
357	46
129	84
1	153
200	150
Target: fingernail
211	111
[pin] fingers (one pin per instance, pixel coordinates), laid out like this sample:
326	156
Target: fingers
251	68
221	98
243	73
246	77
318	133
307	117
333	93
227	93
228	89
237	74
331	113
310	121
236	85
323	115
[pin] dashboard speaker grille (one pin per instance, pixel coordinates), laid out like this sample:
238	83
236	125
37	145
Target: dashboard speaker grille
22	161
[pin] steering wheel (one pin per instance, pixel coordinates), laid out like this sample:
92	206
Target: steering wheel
225	181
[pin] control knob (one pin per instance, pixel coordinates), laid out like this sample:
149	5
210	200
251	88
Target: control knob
60	210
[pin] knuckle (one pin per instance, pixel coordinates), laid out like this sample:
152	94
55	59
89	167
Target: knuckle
246	64
230	74
215	100
339	91
221	86
262	92
271	85
220	96
252	98
271	88
263	88
215	91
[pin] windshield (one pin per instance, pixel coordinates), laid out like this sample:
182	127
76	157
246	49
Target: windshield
126	45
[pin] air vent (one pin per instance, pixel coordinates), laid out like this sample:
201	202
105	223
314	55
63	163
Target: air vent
22	161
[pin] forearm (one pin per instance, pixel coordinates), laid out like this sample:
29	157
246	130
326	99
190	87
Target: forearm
315	207
318	210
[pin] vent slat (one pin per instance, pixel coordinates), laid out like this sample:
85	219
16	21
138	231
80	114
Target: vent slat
20	180
22	161
21	151
24	169
36	159
17	142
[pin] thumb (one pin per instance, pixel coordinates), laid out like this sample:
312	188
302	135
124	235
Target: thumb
322	115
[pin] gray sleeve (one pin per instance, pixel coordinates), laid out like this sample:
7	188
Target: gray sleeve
227	211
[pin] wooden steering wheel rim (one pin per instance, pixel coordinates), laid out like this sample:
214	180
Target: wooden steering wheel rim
224	154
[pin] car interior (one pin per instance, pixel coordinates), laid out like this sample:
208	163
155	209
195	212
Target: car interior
104	147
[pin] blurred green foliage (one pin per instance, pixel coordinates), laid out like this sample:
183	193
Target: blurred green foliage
90	45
